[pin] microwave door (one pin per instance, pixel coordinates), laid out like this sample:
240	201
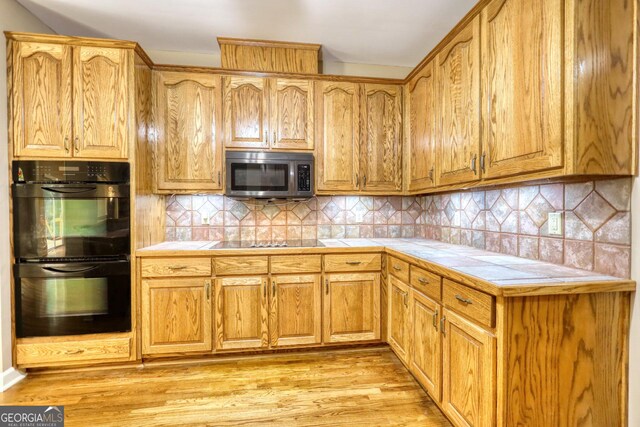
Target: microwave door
259	178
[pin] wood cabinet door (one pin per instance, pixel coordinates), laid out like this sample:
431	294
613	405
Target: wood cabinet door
176	316
337	136
381	164
41	100
420	125
291	114
469	372
522	108
458	80
399	318
101	98
241	312
426	343
188	112
295	310
246	115
351	307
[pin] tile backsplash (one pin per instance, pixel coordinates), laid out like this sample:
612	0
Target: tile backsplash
596	220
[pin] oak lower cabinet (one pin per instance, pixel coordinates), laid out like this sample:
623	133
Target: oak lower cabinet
295	316
399	318
176	315
426	343
351	307
469	372
241	312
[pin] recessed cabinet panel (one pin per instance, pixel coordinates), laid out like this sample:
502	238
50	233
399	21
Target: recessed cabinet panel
426	343
292	114
399	318
246	107
295	312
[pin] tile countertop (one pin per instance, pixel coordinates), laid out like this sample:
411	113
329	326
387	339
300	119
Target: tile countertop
497	274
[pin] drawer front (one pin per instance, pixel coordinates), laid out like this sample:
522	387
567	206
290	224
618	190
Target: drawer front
283	264
426	282
238	265
476	305
71	352
399	268
353	262
174	267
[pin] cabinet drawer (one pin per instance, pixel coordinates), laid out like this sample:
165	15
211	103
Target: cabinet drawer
352	262
296	264
236	265
173	267
476	305
426	282
399	268
73	352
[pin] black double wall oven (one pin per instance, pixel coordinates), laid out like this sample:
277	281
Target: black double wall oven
71	235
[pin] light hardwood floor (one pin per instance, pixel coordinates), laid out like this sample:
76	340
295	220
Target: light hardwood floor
368	387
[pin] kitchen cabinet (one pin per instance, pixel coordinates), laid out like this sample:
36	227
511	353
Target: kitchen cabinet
291	114
399	318
469	372
176	315
241	312
426	343
295	310
246	117
381	155
70	101
337	136
421	112
351	307
188	112
458	83
522	123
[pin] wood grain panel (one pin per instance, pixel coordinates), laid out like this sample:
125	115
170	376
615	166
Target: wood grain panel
292	121
295	310
111	348
41	97
426	343
458	83
351	307
426	282
239	265
399	268
189	127
381	128
266	55
475	305
399	318
246	116
522	86
241	312
175	267
284	264
176	316
421	113
337	136
101	90
566	360
352	262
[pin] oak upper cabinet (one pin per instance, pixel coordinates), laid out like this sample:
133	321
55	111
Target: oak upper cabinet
246	115
188	111
522	116
351	307
469	364
381	156
337	136
70	101
241	312
399	318
420	126
458	81
176	315
295	310
291	114
426	343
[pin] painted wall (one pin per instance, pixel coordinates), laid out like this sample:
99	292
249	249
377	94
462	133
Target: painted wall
13	17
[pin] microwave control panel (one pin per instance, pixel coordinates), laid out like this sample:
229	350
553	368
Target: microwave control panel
304	177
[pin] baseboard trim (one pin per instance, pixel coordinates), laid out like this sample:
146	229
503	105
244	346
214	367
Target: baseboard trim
11	377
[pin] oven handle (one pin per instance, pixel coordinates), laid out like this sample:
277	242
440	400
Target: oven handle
79	190
80	270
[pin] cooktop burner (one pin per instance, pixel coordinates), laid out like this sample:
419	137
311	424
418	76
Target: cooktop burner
270	244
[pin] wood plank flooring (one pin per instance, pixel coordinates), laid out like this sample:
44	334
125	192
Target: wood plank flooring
368	387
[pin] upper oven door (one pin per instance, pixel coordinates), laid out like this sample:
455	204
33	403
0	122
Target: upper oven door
259	178
70	220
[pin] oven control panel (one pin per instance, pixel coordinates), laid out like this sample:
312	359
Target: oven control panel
304	177
40	171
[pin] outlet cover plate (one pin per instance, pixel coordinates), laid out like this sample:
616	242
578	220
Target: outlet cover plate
555	223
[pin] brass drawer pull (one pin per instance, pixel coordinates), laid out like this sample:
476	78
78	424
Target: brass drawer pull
435	319
423	281
354	262
405	300
78	351
442	320
178	267
273	287
395	267
463	300
207	286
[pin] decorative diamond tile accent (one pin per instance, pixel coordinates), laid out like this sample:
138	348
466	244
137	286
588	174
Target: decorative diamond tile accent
576	193
270	211
538	210
301	210
331	210
387	210
594	211
501	210
239	210
617	192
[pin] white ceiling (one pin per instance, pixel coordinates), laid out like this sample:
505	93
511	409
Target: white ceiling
384	32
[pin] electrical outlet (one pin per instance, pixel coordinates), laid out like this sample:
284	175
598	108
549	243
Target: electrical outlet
555	223
205	220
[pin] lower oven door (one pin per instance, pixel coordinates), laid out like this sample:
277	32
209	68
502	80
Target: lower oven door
75	298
